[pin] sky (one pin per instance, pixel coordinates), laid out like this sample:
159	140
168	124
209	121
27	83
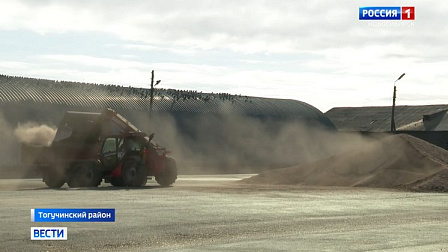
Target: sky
313	51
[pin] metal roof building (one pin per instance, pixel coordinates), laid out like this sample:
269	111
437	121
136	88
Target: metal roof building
378	119
31	92
218	127
429	122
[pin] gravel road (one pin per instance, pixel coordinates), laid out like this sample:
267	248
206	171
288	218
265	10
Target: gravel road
203	213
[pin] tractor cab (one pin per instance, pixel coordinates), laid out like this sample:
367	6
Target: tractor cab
116	148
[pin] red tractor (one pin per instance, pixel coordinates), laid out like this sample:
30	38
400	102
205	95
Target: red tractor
90	147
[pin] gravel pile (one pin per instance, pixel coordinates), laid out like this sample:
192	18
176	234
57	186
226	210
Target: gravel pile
399	161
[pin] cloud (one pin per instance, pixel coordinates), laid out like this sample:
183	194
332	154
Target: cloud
16	65
244	26
315	51
96	61
144	47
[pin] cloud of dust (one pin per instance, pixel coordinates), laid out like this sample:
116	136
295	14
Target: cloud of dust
208	143
35	134
10	145
236	144
6	142
8	149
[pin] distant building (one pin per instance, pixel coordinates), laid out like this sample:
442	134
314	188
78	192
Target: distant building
428	122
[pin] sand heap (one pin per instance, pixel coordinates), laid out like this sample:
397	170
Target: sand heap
399	161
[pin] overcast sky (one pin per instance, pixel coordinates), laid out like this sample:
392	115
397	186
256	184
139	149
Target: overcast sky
314	51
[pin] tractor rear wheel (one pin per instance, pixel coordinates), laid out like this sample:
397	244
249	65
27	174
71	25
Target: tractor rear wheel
134	173
168	176
85	175
53	179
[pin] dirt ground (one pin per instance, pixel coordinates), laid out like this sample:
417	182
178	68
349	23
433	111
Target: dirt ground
209	213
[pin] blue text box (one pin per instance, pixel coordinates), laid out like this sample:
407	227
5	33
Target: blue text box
72	215
379	13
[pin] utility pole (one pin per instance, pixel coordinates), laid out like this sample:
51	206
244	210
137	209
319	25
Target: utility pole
151	98
392	122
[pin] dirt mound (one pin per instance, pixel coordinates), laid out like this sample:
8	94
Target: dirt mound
398	161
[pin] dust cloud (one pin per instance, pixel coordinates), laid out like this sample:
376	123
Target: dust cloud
7	150
30	133
237	144
34	134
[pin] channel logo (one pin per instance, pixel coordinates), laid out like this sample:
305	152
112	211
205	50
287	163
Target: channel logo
48	233
387	13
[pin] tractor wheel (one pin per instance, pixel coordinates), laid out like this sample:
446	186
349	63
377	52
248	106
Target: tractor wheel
53	179
168	176
134	174
85	175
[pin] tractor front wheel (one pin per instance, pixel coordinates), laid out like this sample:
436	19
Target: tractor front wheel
168	176
85	175
134	174
53	178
